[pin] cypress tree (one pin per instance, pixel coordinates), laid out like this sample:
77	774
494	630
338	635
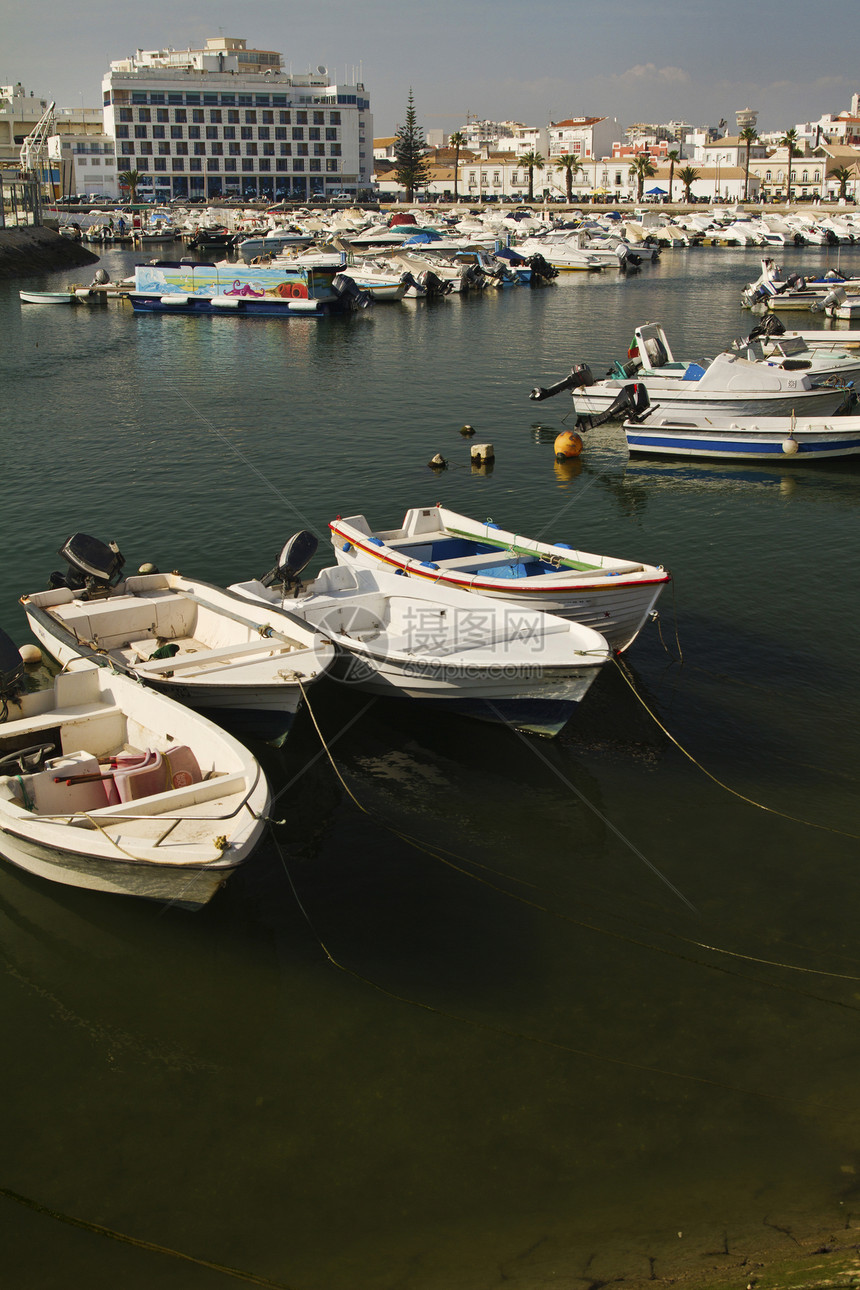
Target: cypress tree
410	169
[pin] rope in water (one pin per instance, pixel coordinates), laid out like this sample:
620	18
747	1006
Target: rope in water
251	1278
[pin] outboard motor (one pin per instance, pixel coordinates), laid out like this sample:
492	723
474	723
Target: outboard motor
630	404
541	269
347	289
11	670
94	566
295	555
770	325
580	375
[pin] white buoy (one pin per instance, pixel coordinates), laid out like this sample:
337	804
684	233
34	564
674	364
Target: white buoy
790	446
147	568
30	654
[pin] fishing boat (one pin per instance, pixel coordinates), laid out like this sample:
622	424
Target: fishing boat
107	785
186	638
405	638
728	383
440	547
743	438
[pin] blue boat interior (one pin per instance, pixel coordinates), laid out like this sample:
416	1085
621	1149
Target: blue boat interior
469	555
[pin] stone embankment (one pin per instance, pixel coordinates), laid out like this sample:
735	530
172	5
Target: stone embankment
26	250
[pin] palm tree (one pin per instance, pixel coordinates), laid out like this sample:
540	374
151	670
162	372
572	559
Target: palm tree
532	161
457	141
789	140
571	166
673	157
843	176
749	134
688	177
642	167
130	179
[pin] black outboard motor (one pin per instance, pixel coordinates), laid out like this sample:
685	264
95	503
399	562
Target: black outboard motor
351	292
631	403
579	375
94	566
770	325
295	555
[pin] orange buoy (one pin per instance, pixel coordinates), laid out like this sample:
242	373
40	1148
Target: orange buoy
567	444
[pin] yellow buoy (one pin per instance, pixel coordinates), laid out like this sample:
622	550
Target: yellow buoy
567	444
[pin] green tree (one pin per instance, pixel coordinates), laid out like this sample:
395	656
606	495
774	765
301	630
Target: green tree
749	134
571	167
130	181
410	169
789	140
641	168
688	176
457	141
532	161
673	157
843	176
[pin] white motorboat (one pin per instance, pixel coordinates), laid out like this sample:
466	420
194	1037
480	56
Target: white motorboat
105	784
405	638
442	548
47	297
564	254
728	383
186	638
743	438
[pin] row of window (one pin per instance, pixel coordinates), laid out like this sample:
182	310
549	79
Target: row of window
215	116
178	164
262	132
182	149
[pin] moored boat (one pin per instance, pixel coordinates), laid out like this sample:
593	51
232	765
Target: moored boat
107	785
441	547
743	438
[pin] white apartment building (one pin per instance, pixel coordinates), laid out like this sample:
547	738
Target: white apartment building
83	165
583	136
227	121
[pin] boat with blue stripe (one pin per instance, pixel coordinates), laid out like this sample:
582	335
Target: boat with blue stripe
743	438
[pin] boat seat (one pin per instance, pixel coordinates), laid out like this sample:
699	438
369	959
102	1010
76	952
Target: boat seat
164	771
59	789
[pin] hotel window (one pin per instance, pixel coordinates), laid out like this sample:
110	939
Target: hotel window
331	166
302	118
210	99
215	116
313	133
200	149
127	149
229	132
122	132
160	163
247	163
212	163
176	132
282	165
250	118
245	100
162	114
144	114
174	98
284	118
264	164
268	118
319	149
140	132
234	149
159	132
228	100
298	132
177	164
280	132
263	132
211	132
142	164
285	149
194	132
246	132
298	164
334	117
330	133
182	149
250	149
195	163
156	98
302	149
164	150
198	116
268	150
230	163
217	149
315	165
180	115
233	117
126	114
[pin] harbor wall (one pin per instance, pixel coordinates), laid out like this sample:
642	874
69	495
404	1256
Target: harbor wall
27	250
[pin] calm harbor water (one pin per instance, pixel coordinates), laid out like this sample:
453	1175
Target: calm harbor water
542	1012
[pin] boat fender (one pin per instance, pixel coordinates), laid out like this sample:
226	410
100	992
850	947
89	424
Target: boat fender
790	446
428	564
374	541
346	548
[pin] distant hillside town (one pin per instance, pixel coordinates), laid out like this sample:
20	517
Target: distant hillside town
227	121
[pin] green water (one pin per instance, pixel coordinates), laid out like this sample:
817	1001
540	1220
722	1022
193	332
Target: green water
535	1012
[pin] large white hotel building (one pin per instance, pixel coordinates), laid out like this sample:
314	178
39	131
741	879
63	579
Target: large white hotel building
227	121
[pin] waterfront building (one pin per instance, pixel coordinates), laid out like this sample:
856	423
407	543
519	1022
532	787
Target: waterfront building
227	121
83	165
21	112
583	136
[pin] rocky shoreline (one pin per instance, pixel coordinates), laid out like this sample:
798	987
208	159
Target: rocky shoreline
27	250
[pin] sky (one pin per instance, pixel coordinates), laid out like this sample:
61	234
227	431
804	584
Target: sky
533	61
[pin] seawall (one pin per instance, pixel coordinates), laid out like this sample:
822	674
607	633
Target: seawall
26	250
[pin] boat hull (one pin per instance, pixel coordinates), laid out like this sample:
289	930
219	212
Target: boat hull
589	400
739	445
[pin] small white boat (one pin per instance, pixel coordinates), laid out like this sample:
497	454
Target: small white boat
651	356
442	548
186	638
47	297
105	784
404	638
743	438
